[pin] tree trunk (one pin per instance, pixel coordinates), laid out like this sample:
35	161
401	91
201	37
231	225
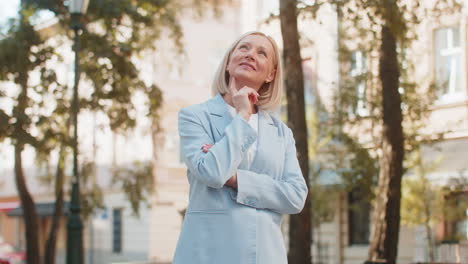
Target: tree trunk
386	221
49	257
300	226
31	220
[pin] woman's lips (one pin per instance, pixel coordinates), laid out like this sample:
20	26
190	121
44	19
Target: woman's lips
248	65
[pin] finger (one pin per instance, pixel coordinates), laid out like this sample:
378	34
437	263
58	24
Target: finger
249	90
253	98
251	93
206	147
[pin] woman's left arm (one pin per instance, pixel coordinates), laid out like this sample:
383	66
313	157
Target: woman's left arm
286	195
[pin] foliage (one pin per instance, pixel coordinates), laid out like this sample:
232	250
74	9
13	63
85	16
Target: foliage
334	153
21	52
361	27
114	37
117	32
422	201
135	183
322	208
359	23
427	204
91	193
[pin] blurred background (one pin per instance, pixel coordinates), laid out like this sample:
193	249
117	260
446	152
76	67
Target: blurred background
139	62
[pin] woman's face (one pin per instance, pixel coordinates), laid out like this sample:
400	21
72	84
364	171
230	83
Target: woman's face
251	61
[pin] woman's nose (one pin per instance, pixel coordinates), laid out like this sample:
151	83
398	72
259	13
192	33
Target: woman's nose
250	55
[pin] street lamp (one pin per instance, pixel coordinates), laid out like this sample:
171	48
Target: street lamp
75	226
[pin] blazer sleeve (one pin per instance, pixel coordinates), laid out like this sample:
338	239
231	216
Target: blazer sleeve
285	196
216	166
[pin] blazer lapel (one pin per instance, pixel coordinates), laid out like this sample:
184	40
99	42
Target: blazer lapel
266	128
220	115
267	138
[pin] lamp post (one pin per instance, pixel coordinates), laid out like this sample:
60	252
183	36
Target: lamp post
75	225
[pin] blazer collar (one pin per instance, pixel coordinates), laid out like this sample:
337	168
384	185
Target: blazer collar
218	108
268	134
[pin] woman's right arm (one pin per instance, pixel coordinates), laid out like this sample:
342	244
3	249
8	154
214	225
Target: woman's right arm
215	167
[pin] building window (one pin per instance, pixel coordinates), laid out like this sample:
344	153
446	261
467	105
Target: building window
358	73
117	230
448	63
358	218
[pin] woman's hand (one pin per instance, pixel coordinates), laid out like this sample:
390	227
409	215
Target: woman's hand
206	147
232	182
243	99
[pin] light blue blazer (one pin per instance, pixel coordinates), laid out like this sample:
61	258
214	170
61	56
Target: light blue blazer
227	226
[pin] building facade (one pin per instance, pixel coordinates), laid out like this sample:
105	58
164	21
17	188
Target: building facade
114	234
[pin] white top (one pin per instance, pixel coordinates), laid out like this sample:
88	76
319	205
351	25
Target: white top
253	122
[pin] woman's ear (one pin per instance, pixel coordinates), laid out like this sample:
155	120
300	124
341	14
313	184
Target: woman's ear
271	76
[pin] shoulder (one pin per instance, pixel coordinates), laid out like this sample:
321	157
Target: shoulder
191	110
200	112
196	109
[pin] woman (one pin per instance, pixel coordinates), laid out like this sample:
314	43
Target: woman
242	165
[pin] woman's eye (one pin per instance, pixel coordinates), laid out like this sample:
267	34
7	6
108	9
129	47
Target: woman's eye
263	53
242	47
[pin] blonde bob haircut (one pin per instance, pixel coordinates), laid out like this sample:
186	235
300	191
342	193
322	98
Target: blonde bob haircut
270	93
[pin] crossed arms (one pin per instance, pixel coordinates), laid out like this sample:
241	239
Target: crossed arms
284	194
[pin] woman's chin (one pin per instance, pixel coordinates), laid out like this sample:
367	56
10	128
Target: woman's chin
245	77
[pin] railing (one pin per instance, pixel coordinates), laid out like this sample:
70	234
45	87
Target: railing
452	253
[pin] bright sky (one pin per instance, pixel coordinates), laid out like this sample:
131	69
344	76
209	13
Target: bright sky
9	9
